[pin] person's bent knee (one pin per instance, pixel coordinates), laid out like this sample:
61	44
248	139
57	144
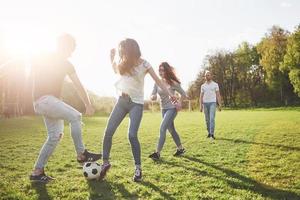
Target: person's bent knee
75	117
55	138
107	137
132	137
109	132
163	129
173	131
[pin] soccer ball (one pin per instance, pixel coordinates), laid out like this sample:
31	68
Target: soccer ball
91	170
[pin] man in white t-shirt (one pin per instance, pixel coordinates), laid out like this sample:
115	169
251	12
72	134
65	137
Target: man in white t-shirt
209	99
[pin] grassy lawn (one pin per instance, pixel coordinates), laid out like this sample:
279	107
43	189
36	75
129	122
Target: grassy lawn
256	156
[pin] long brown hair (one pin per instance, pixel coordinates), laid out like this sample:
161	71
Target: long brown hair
170	75
129	52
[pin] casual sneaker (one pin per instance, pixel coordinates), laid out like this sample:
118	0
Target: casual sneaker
208	136
104	169
42	178
154	156
137	175
179	152
213	137
90	157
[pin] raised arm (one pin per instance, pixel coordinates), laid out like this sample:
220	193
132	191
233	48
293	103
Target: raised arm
82	93
112	60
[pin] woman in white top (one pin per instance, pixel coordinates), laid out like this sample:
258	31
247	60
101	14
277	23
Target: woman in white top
132	70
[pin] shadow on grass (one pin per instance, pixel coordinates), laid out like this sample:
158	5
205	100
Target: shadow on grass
41	190
112	190
157	189
261	143
107	190
100	190
244	182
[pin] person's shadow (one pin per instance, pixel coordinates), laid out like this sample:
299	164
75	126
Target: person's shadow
157	189
100	190
289	148
112	190
41	190
243	182
108	190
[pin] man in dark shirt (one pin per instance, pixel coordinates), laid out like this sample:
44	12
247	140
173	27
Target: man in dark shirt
49	72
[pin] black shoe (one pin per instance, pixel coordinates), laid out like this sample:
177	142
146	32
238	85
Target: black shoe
90	157
208	136
137	177
155	156
104	169
179	152
42	178
213	137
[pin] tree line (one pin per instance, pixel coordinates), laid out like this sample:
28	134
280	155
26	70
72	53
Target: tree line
264	74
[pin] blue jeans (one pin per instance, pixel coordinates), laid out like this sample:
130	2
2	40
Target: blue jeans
122	107
54	112
168	124
210	112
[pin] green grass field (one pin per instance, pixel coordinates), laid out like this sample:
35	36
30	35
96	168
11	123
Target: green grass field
256	156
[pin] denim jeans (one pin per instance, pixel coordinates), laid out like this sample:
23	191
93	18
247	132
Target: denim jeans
54	112
124	106
210	112
168	124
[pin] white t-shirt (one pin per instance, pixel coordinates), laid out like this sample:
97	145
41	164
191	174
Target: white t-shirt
209	90
133	84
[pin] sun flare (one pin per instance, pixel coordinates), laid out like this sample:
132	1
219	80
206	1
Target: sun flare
26	42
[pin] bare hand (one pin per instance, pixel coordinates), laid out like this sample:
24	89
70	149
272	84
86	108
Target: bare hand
89	110
178	106
112	54
153	97
219	108
173	99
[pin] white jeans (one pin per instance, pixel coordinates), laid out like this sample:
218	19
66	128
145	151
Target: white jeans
54	112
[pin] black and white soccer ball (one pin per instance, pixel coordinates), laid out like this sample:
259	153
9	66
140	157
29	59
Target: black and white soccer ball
91	170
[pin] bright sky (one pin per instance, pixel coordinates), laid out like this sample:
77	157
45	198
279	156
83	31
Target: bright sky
180	32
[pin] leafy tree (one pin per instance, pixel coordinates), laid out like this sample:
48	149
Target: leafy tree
292	59
250	75
272	49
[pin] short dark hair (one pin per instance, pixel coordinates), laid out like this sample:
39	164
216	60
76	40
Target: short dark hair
66	40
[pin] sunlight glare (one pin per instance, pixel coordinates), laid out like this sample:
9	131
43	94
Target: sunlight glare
26	42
